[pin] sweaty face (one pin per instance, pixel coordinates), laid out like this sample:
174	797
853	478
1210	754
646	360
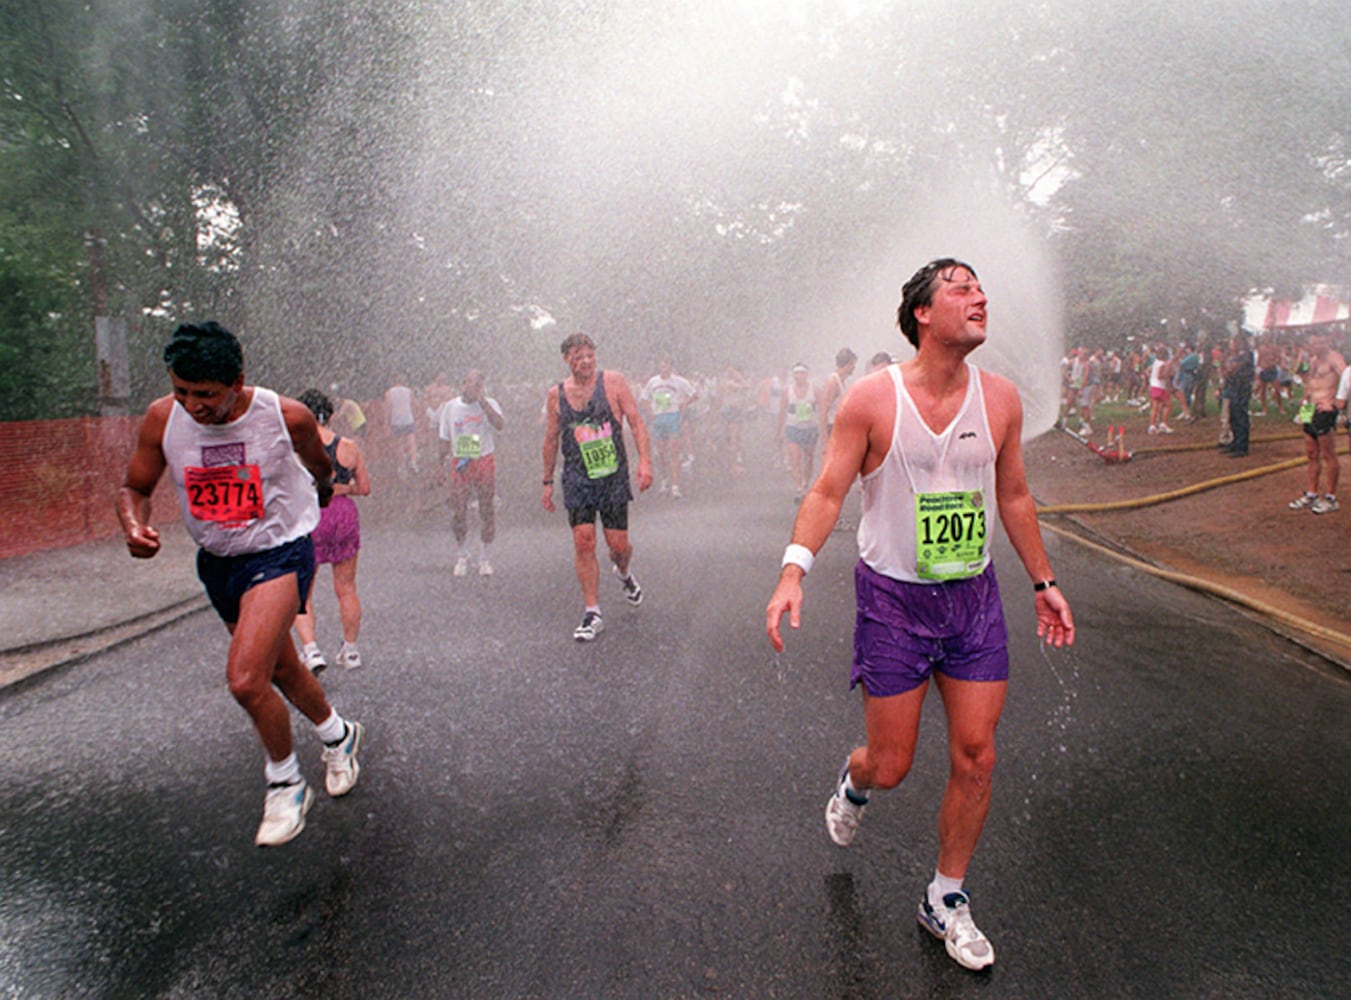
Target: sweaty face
582	362
958	309
206	402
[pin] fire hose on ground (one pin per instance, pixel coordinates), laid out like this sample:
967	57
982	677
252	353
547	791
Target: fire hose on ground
1302	625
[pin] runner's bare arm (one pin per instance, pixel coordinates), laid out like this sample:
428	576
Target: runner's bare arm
1018	511
144	470
350	455
493	413
309	448
844	459
622	401
552	433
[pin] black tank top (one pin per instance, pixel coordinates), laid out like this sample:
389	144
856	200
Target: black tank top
595	467
341	473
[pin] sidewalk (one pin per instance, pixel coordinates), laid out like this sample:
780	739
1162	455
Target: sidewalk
64	604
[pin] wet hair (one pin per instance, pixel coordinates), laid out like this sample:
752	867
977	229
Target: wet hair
918	293
204	352
577	339
880	360
844	356
319	404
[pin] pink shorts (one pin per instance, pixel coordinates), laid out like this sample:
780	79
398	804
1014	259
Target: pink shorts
338	537
1159	394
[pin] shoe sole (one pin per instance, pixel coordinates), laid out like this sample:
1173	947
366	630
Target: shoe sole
304	808
358	734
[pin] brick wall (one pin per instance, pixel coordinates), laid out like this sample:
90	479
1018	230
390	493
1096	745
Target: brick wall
59	480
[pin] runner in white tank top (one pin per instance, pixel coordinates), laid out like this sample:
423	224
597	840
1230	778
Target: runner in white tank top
251	472
937	442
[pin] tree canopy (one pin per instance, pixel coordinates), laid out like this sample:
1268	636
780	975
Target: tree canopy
376	187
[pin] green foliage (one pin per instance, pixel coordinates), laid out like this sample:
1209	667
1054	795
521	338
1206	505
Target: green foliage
402	181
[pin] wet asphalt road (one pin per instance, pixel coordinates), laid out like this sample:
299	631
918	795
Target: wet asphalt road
642	817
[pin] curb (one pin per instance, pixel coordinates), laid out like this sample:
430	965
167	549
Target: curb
23	662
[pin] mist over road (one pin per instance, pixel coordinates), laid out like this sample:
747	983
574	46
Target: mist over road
642	816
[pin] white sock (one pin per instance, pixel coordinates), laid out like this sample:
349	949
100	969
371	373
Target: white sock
310	647
859	796
595	609
942	886
282	772
332	729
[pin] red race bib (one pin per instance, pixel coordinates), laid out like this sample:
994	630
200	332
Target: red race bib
228	494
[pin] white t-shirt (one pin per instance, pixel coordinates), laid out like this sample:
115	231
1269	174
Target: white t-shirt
667	395
467	427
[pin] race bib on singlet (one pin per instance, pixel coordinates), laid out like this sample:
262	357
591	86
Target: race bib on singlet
599	455
950	534
802	412
468	446
229	495
663	401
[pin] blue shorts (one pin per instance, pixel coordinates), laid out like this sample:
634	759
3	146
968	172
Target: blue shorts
803	437
665	426
906	631
227	578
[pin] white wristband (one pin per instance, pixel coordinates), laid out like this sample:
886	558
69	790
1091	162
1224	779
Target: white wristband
800	556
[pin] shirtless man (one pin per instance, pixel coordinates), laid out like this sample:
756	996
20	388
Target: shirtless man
1318	414
935	440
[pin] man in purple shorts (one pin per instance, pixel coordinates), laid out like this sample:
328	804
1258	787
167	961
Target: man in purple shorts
934	439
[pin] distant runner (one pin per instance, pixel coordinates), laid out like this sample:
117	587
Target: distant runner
467	425
585	414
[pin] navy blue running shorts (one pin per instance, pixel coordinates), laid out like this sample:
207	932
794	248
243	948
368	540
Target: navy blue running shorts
227	578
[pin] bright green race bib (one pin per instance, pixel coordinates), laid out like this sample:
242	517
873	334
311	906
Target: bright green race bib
1306	410
599	455
950	534
468	446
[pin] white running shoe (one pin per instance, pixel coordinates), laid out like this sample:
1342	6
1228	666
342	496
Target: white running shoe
462	566
952	922
349	656
313	658
485	568
1303	500
1324	505
592	626
340	761
843	814
284	812
1165	429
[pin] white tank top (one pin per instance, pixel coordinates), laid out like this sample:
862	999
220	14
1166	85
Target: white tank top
241	486
801	410
929	509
